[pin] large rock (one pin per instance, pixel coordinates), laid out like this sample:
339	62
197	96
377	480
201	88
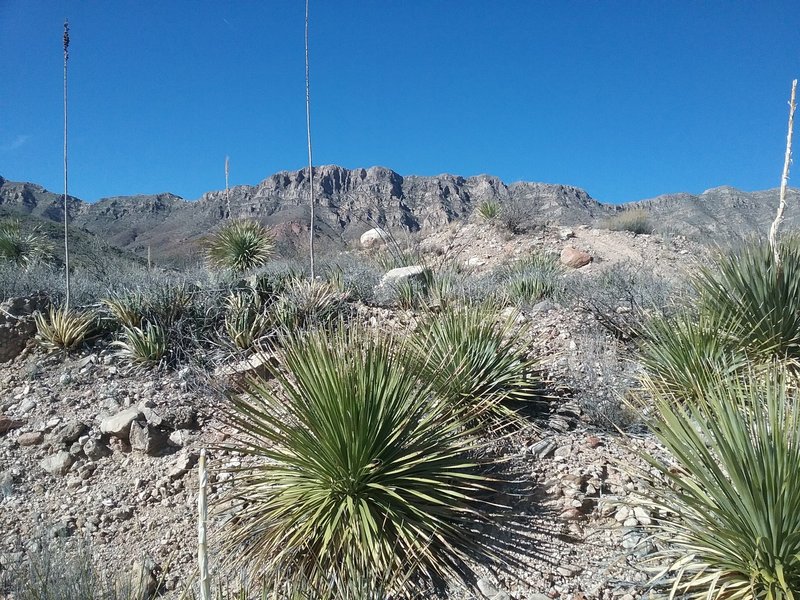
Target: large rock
574	258
395	276
17	326
119	425
7	424
374	237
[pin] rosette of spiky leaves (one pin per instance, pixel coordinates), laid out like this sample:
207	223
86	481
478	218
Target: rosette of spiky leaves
730	501
307	303
759	303
360	474
477	365
240	245
144	346
24	249
62	328
245	318
531	279
129	308
687	353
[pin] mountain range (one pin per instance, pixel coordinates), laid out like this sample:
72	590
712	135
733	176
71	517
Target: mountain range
350	201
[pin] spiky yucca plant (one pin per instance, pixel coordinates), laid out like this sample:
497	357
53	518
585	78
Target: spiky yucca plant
731	505
240	245
21	248
758	303
687	353
128	308
489	209
307	303
476	364
531	279
246	320
144	346
63	328
359	475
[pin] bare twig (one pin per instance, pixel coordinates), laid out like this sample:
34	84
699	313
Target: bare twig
66	215
310	163
773	230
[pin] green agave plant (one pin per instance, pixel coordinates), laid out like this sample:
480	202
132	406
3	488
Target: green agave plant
475	365
20	248
63	329
731	506
360	477
128	308
240	245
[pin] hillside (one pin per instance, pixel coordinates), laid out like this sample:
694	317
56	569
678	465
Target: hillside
352	201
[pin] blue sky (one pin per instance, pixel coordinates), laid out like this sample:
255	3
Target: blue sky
627	100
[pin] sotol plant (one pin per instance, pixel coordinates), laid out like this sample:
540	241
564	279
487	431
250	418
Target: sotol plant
240	245
731	505
359	475
23	249
476	364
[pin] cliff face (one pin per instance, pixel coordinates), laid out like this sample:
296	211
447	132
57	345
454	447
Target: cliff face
352	201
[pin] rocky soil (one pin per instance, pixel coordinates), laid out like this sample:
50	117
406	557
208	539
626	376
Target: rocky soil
91	452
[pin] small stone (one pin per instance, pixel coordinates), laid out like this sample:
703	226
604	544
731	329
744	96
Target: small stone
572	514
487	588
68	433
57	464
95	450
7	424
146	439
574	258
119	425
182	465
569	570
563	451
30	438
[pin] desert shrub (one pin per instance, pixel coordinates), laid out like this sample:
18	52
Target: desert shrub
624	297
601	376
531	279
477	366
634	220
240	245
306	303
15	282
489	209
23	249
355	275
144	346
63	329
516	215
730	495
360	475
246	319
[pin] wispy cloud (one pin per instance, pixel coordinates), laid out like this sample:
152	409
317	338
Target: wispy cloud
18	142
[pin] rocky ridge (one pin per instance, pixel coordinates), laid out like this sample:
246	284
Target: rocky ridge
351	201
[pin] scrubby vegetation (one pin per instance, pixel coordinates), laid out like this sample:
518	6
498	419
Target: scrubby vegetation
373	468
634	220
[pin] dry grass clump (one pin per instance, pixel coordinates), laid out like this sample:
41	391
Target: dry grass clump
634	220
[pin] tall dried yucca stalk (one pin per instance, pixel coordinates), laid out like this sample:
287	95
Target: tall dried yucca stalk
310	163
66	215
227	193
202	509
773	230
